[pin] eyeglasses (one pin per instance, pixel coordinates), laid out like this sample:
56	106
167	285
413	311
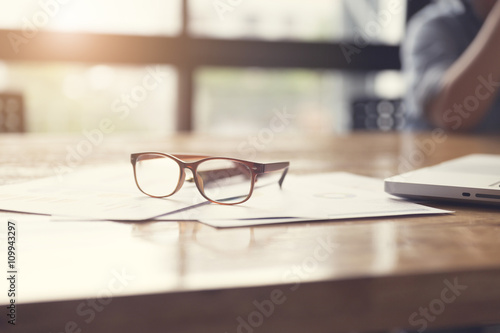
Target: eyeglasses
226	181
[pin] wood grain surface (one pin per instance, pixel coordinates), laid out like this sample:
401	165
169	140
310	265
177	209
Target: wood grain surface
341	276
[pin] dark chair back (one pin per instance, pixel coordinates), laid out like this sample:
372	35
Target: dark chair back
378	114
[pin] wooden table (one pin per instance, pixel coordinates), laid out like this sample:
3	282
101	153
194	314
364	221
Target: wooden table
347	276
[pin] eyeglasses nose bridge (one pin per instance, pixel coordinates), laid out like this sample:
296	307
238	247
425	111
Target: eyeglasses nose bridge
182	178
190	166
196	178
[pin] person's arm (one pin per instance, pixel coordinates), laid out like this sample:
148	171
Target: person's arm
481	59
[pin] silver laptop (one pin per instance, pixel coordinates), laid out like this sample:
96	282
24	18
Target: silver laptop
472	178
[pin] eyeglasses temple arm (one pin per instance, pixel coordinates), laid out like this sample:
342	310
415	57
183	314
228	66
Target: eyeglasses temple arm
270	167
213	175
282	178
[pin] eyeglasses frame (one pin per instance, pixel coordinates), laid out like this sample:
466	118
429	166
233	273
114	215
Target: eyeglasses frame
255	169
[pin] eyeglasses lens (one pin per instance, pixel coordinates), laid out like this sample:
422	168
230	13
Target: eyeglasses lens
157	175
224	181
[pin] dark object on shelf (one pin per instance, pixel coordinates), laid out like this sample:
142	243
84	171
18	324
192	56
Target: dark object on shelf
378	115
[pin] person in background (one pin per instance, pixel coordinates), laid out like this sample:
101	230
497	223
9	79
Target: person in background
451	58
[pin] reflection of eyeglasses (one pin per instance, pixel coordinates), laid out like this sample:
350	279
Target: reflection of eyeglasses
226	181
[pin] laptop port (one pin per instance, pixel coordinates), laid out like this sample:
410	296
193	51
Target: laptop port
466	194
488	196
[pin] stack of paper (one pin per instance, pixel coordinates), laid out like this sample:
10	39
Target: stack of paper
109	193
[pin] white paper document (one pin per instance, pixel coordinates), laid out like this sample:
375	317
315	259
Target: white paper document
329	196
110	193
104	193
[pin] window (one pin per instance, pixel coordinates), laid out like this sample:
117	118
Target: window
213	84
303	100
380	21
144	17
69	97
